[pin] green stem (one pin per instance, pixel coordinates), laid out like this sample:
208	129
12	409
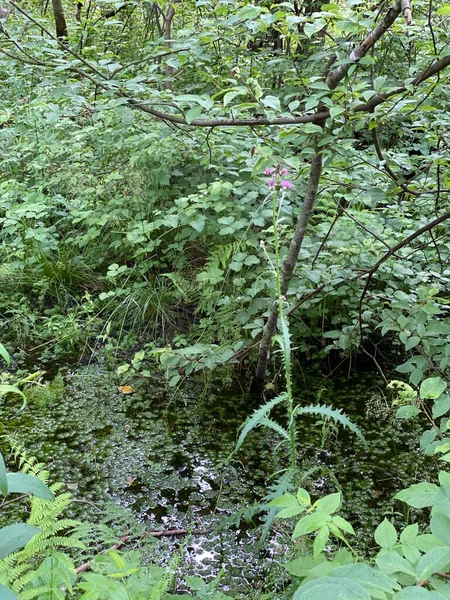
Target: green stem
286	348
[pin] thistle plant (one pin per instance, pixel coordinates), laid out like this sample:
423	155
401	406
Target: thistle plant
279	186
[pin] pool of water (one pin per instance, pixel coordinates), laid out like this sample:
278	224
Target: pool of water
160	459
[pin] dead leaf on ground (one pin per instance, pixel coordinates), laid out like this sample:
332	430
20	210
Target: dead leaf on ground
125	389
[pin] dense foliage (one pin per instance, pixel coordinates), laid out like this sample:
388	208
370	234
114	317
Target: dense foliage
190	186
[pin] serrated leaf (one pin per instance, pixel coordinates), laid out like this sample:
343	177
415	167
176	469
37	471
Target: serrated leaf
310	523
333	413
343	524
257	417
330	503
274	425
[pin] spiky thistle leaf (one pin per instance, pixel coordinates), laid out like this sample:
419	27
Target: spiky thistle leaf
257	418
332	413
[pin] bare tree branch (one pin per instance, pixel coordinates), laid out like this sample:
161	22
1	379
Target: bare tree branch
317	117
357	53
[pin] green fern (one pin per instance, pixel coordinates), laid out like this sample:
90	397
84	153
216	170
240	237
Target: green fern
41	561
333	413
49	582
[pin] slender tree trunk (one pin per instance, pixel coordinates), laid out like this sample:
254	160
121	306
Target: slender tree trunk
60	19
288	269
168	18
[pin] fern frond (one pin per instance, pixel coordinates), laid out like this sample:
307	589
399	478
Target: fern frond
257	418
333	413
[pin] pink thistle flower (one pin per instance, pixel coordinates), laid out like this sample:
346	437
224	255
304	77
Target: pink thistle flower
268	171
286	183
271	183
283	172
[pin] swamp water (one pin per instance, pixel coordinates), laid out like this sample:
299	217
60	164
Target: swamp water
156	460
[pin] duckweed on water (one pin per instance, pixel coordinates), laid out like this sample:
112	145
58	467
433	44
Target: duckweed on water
163	460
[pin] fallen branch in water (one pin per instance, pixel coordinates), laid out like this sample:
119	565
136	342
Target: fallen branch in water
157	534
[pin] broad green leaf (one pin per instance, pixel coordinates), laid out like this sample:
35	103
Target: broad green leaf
320	541
193	113
391	562
435	560
441	406
311	523
409	534
329	504
427	541
21	483
418	495
442	500
417	593
335	111
332	588
366	576
290	511
204	101
6	593
407	412
13	537
444	10
412	342
385	534
303	497
272	102
302	566
432	387
341	523
284	501
440	527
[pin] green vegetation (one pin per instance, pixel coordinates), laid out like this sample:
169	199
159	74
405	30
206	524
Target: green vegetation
199	197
